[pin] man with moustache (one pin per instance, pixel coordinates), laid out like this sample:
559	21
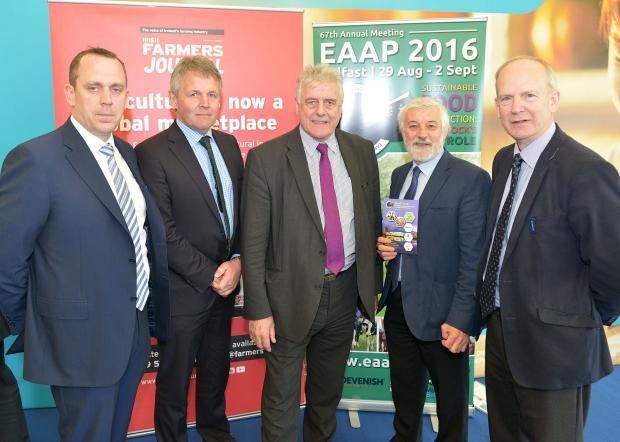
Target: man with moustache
83	249
310	216
195	174
549	278
431	307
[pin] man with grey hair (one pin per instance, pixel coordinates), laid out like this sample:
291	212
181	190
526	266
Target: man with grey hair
548	278
195	174
310	214
431	307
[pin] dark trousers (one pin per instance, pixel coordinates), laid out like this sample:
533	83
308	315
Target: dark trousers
517	413
12	423
326	348
411	362
205	339
102	414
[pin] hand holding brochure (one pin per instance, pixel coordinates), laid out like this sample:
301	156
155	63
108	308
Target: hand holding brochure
400	224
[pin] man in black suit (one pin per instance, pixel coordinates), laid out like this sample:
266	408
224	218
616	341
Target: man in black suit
12	422
548	278
195	175
310	219
431	307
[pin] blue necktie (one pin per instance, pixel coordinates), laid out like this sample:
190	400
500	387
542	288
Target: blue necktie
129	213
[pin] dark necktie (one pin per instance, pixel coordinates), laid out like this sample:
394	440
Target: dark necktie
487	294
409	195
219	190
332	230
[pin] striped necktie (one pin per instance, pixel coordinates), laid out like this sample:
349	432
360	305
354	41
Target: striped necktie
129	213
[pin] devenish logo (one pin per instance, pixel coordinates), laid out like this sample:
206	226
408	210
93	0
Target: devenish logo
363	381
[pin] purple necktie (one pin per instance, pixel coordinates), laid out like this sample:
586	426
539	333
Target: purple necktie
333	229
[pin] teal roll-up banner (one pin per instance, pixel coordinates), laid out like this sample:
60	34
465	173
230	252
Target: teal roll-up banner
384	65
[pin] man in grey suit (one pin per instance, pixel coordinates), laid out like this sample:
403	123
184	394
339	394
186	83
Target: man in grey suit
430	295
83	257
548	278
310	216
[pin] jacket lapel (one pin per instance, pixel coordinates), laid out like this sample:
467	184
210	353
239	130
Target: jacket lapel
229	154
181	149
435	183
536	180
400	174
82	160
299	164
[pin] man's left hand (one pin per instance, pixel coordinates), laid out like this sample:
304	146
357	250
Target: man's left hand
226	277
454	339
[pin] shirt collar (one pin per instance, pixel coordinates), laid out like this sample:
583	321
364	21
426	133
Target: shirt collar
532	152
93	142
192	136
427	167
310	143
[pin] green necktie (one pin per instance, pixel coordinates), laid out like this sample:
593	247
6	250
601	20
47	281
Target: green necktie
219	190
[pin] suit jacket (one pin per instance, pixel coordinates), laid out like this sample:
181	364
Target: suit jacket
196	237
282	240
560	278
438	284
67	262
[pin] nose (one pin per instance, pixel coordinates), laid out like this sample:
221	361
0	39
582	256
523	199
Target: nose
422	133
516	105
320	108
204	101
106	96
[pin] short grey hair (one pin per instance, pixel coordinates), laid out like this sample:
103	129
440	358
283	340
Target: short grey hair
320	73
425	103
198	63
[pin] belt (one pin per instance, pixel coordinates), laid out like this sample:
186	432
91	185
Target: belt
331	276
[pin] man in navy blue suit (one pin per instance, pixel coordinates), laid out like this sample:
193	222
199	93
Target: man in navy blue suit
83	253
431	307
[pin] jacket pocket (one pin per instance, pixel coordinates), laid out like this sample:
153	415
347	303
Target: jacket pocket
557	317
62	308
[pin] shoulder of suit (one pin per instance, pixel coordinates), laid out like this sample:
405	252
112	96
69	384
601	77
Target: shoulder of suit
279	144
158	141
224	135
43	144
352	138
465	167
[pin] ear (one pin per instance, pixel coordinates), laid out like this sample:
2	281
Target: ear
497	107
70	94
554	101
173	100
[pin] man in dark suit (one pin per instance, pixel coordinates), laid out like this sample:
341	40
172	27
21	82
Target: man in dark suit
430	295
12	422
195	174
310	218
548	278
83	249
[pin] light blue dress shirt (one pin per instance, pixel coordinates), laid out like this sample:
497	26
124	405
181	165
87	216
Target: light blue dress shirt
193	138
530	156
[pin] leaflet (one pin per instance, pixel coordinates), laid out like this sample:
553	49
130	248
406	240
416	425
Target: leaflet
400	224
